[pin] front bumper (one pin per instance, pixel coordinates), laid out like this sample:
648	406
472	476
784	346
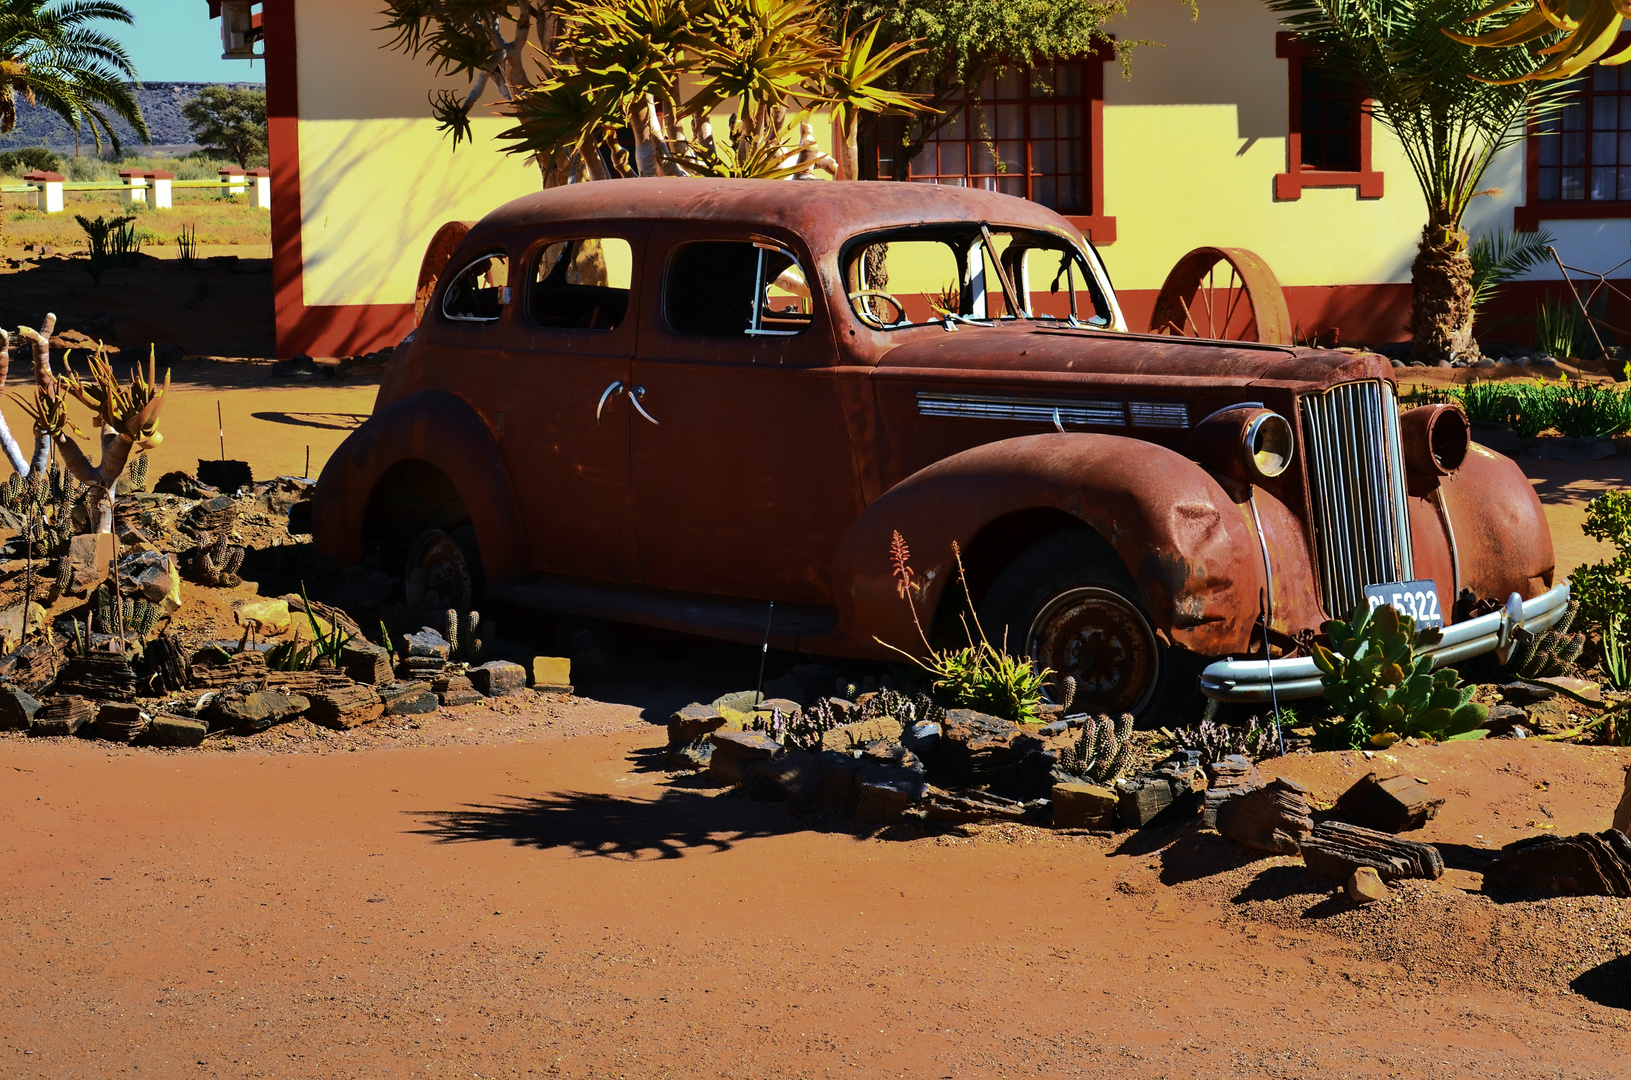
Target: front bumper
1297	676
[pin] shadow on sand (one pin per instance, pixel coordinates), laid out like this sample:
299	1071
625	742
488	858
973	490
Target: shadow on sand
669	827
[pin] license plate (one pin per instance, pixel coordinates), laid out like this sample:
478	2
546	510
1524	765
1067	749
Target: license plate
1418	599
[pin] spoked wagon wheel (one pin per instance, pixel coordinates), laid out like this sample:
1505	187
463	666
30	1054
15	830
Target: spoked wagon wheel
1228	294
437	253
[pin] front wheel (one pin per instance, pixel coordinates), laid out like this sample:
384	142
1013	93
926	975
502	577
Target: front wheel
444	570
1069	604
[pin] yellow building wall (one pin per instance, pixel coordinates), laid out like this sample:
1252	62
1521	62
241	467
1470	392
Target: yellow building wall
377	179
1194	139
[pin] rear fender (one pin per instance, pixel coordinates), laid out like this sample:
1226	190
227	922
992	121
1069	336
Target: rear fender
441	430
1190	547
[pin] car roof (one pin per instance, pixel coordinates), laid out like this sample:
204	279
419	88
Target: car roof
825	213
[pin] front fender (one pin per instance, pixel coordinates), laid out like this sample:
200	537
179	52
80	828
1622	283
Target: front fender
1502	542
1188	544
443	431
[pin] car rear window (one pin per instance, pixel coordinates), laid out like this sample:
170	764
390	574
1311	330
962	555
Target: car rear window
478	292
736	288
581	284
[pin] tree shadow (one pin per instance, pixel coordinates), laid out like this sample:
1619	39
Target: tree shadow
632	830
1609	983
329	421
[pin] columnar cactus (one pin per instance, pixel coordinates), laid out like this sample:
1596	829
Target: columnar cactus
1102	752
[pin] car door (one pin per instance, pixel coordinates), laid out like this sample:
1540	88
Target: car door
565	416
743	477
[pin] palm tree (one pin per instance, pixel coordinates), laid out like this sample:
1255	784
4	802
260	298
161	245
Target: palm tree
1452	106
51	55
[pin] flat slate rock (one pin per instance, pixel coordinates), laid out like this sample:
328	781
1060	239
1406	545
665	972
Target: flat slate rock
103	676
17	709
407	699
1590	864
498	678
62	715
121	723
345	707
1393	805
1226	778
1335	849
176	731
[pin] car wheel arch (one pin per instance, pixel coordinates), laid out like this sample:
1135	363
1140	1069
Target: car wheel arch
1186	548
428	433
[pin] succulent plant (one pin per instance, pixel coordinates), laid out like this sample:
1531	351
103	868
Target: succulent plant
1551	652
1101	754
1380	681
460	631
217	561
1215	741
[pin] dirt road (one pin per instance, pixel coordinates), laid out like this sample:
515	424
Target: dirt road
554	908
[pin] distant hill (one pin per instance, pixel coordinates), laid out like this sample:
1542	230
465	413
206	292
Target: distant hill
161	104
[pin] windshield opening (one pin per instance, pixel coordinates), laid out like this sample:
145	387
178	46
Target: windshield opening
971	273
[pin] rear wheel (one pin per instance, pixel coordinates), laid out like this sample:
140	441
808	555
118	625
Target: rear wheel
444	570
1069	604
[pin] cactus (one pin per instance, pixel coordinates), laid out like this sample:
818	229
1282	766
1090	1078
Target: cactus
1067	692
104	608
217	562
1551	652
1102	752
460	631
137	473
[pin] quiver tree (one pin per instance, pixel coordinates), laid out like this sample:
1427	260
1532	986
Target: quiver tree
589	82
127	417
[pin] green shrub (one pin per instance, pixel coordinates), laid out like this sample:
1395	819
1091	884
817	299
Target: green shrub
1560	329
1603	589
29	159
979	675
1382	685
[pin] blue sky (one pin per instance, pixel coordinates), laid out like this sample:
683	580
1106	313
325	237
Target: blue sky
177	41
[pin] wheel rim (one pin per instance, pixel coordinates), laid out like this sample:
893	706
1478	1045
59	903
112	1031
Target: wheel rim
1103	641
1227	294
438	573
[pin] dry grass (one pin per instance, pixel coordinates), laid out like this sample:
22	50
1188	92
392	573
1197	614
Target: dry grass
217	220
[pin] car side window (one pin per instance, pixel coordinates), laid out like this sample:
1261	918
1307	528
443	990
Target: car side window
736	288
479	292
581	284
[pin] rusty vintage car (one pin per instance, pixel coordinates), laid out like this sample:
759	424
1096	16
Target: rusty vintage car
671	401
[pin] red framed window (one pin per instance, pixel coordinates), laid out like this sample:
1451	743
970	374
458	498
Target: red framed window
1579	157
1328	137
1037	133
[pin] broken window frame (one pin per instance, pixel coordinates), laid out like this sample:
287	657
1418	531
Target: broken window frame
504	293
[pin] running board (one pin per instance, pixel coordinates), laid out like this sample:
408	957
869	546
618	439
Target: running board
687	613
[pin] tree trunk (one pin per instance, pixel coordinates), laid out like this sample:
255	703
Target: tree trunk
1441	295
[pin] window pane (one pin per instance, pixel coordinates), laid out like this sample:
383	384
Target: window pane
1604	182
1625	183
581	284
1070	121
477	294
1013	156
1044	191
1042	158
1012	184
710	290
1070	155
1010	85
1605	113
954	159
1574	183
982	161
1574	149
1574	117
1068	80
1549	184
1604	78
1603	144
1010	122
1549	146
1042	121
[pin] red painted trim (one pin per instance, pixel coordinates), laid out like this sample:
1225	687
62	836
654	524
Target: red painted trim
45	177
1289	185
322	330
1358	313
1097	226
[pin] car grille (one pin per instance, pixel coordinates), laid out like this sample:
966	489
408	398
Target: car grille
1361	522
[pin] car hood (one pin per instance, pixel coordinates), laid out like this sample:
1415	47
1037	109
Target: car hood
1055	353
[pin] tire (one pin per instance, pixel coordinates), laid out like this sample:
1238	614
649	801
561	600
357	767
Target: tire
1069	604
443	570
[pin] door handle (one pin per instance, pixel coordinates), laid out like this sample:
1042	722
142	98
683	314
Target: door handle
615	388
640	392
